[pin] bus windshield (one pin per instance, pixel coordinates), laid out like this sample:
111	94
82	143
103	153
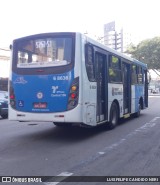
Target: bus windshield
44	52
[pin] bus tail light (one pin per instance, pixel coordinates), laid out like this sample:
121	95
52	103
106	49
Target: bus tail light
12	96
73	94
74	87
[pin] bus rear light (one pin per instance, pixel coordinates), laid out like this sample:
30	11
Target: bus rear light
73	103
73	94
74	88
40	70
12	103
12	96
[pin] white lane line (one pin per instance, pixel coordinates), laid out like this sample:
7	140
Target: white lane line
101	153
155	119
58	178
143	128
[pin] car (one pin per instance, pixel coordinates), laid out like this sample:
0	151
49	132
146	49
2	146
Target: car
4	104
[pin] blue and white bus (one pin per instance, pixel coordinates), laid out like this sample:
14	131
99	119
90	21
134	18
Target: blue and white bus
68	78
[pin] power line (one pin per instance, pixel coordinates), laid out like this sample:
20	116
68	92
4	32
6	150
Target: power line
4	57
4	49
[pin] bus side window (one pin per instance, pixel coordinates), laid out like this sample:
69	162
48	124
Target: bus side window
134	74
22	57
140	75
89	59
115	73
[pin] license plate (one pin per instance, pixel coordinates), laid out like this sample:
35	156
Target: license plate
40	105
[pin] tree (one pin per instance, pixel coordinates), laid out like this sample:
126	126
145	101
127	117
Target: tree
147	51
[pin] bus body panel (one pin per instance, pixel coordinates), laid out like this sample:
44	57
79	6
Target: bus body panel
51	89
137	94
45	97
115	93
133	99
72	116
89	103
42	93
89	92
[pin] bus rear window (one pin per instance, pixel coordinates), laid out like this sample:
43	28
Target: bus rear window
44	52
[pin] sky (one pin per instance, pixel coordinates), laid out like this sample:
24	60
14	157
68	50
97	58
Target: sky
26	17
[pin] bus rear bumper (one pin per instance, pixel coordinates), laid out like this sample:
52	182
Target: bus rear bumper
71	116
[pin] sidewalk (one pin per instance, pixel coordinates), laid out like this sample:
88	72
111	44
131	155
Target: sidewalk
153	94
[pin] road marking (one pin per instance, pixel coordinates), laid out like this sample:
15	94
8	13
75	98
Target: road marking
156	96
143	128
58	178
109	148
101	153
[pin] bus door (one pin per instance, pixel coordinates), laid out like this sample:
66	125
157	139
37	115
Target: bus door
126	88
100	60
146	88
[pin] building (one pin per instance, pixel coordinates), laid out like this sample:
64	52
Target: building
118	38
113	37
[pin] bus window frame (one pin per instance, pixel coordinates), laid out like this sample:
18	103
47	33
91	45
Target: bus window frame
90	65
114	69
138	75
46	70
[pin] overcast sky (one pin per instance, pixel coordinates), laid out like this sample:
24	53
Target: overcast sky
25	17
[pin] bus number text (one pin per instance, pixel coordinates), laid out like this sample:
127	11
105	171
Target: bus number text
43	44
61	78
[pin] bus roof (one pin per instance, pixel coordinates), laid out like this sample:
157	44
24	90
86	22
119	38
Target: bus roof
115	52
90	40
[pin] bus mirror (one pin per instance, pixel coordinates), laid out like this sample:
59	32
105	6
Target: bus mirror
10	46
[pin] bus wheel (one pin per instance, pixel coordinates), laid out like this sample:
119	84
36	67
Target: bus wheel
114	116
137	114
59	124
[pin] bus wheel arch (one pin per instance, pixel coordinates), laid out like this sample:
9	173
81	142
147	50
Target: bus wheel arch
114	115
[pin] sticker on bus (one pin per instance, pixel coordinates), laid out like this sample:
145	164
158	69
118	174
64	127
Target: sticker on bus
40	105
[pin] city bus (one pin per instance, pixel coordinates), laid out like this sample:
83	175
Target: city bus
70	79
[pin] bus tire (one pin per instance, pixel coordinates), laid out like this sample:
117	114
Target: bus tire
59	124
114	116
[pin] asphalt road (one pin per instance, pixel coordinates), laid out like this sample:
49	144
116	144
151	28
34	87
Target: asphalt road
42	149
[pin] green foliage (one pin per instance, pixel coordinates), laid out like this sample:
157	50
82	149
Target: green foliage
147	51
